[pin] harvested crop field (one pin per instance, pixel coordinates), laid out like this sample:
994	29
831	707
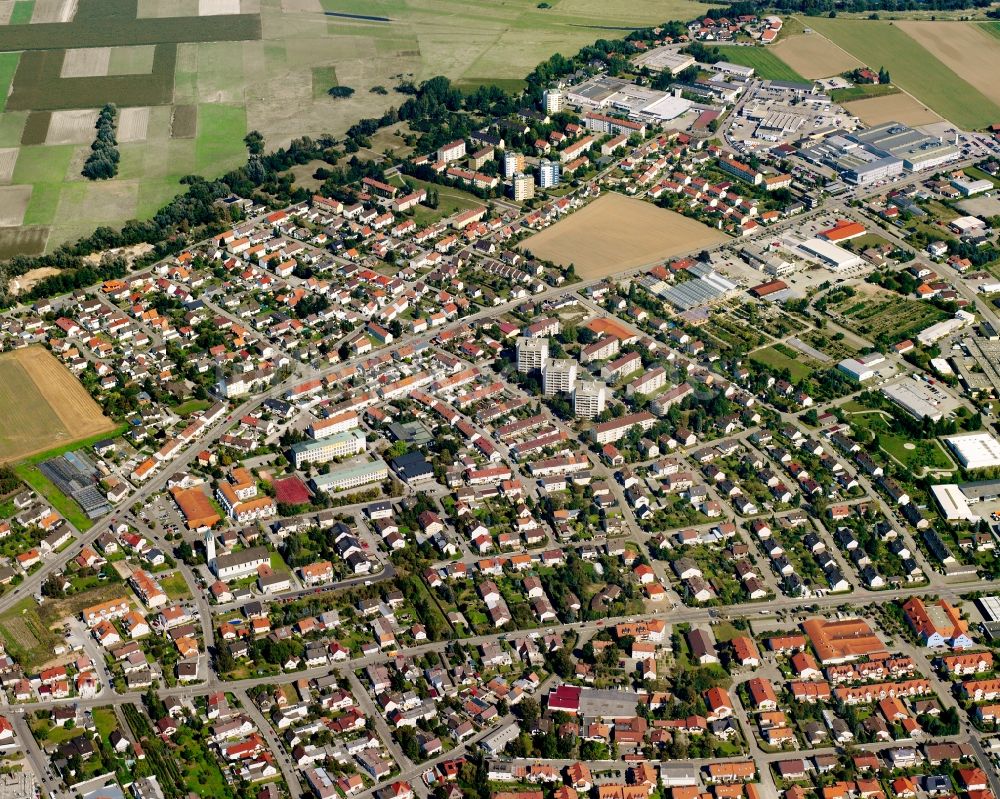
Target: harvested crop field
813	56
86	62
8	157
913	68
616	233
42	405
892	108
72	127
133	124
13	203
965	47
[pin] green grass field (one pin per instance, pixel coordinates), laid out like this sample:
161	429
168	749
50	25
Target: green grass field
863	91
769	356
765	63
23	9
8	66
912	68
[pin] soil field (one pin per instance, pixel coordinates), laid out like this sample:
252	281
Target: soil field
36	128
184	122
13	203
72	127
132	124
8	157
22	240
814	56
616	233
965	47
42	405
913	68
892	108
88	62
30	278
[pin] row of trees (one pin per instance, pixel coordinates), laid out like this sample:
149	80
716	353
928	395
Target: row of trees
102	163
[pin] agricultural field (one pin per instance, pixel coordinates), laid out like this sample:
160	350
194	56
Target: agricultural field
967	48
42	405
892	108
766	64
814	56
615	233
192	77
914	68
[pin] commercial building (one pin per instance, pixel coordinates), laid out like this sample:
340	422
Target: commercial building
829	254
559	375
522	187
880	152
548	173
532	353
351	476
737	70
665	59
842	640
921	399
866	367
975	450
589	398
340	445
196	507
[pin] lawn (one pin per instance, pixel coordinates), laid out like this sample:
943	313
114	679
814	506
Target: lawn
912	67
175	586
192	406
766	64
862	91
105	720
450	201
915	455
769	356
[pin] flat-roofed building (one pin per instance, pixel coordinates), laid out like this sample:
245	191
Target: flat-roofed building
532	353
589	398
559	375
975	450
352	476
339	445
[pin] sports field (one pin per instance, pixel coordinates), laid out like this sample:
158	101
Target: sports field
42	405
615	233
814	56
913	68
200	73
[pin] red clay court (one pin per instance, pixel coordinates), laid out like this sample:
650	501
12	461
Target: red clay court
291	491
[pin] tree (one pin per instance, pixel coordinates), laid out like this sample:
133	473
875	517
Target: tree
339	92
254	141
883	75
528	711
